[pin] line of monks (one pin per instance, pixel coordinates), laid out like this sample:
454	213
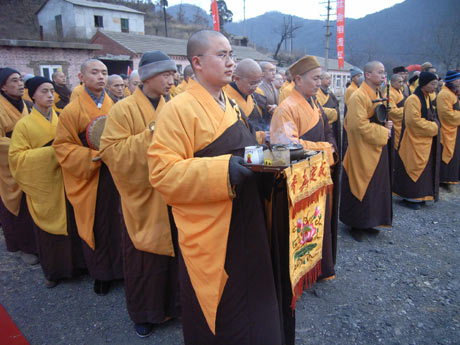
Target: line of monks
166	203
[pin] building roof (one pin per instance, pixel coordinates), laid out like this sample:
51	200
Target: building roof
333	64
49	44
139	44
94	4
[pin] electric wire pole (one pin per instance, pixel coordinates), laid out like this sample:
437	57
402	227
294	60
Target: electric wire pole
328	34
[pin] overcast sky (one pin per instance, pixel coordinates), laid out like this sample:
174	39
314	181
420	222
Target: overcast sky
310	9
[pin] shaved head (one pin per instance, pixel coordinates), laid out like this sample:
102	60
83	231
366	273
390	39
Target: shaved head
198	43
85	64
396	77
113	79
247	67
188	72
371	66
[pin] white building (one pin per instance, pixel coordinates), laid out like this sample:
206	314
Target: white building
80	19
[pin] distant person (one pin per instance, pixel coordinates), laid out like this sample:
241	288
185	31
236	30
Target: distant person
115	87
188	73
134	81
366	200
88	183
278	81
61	91
16	222
396	106
267	88
449	116
355	75
416	177
125	78
149	248
287	87
331	106
404	73
35	168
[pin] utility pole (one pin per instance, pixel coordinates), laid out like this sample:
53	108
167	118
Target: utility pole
328	34
244	18
290	33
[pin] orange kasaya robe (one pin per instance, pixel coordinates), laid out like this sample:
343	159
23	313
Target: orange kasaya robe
80	172
10	192
126	92
180	88
418	136
450	120
247	106
35	168
196	188
285	92
349	91
365	140
293	118
331	113
124	145
77	91
396	113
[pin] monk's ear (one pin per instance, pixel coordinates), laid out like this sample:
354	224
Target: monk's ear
196	64
80	76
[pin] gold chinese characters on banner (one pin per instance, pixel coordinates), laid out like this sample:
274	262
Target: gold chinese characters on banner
308	183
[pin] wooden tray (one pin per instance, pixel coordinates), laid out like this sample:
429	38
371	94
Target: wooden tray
266	168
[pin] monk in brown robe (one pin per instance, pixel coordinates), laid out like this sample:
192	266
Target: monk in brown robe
35	168
418	157
149	252
61	92
331	107
17	225
247	77
266	88
449	116
88	183
227	287
300	119
396	107
366	179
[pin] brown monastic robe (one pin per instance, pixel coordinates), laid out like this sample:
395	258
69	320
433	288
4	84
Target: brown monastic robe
227	285
15	219
90	188
149	258
366	179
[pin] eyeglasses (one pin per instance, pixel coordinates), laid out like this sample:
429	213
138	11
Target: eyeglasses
222	56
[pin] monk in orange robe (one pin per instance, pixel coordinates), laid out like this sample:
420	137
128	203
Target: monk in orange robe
227	286
396	107
300	119
247	77
366	200
149	252
88	183
356	76
188	73
449	116
417	161
17	225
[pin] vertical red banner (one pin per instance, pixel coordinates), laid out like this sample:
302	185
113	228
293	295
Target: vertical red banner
340	32
215	15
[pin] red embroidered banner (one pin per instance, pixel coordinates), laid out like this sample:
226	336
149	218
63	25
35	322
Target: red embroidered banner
340	32
215	15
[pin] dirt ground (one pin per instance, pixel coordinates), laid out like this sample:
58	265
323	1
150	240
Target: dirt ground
400	286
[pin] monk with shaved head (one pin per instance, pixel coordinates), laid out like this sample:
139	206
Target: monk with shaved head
247	77
366	184
188	73
88	183
227	286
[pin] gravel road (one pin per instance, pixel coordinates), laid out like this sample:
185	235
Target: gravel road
400	286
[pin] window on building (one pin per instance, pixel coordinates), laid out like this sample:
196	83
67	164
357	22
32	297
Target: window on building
48	70
98	22
124	25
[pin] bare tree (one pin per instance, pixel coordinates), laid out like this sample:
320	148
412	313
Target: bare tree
445	47
285	30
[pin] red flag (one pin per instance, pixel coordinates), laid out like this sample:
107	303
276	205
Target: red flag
340	32
215	15
129	71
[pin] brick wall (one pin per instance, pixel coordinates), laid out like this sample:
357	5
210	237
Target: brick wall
28	60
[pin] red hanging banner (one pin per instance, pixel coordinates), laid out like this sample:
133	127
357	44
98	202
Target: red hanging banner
340	32
215	15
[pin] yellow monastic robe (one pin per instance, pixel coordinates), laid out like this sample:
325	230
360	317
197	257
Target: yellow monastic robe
413	86
396	114
36	170
450	120
81	173
285	83
77	91
180	88
10	192
293	118
26	96
285	92
124	145
196	188
126	92
331	113
349	91
365	140
417	140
